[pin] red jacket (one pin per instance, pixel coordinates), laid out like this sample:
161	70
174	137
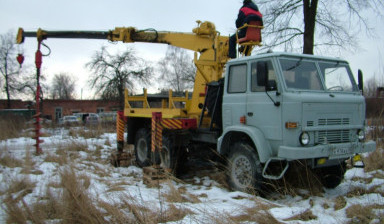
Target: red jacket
249	12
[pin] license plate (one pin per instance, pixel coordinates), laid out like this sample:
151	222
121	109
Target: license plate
341	151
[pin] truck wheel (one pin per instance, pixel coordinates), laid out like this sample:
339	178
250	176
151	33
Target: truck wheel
332	176
168	156
171	157
244	168
143	147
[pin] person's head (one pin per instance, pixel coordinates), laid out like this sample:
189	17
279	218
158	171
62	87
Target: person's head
247	1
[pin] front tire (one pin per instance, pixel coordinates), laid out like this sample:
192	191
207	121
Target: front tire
143	147
244	168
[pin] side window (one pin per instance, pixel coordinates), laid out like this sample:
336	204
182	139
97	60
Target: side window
255	85
237	79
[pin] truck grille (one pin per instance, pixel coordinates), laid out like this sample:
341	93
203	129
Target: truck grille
332	121
333	136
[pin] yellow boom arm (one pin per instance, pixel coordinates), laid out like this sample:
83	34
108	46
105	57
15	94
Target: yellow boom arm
210	49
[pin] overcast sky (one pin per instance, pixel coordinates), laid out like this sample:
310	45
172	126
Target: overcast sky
71	55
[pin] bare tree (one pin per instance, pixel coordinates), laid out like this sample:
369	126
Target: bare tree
113	73
177	69
372	85
63	87
332	23
27	87
9	68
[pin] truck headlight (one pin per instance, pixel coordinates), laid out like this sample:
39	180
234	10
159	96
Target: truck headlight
304	138
361	135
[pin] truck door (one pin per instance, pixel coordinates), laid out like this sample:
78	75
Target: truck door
234	100
261	111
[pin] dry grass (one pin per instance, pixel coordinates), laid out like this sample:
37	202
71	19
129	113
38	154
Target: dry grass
375	160
29	165
48	208
15	212
14	126
175	213
141	213
56	158
107	142
299	176
76	146
66	152
115	187
20	185
377	132
365	180
7	160
72	206
75	205
307	215
259	213
78	206
130	210
340	203
14	205
94	131
359	191
179	195
364	213
114	213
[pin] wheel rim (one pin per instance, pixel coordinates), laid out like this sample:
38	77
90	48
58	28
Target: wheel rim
242	171
165	157
142	149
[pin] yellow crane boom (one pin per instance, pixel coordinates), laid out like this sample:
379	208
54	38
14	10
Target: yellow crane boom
210	56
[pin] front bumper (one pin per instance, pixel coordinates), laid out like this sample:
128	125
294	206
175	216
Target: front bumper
330	151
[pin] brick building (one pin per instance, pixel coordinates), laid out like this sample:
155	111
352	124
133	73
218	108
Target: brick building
55	109
15	104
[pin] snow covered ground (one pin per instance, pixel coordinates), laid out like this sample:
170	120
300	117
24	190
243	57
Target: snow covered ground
200	199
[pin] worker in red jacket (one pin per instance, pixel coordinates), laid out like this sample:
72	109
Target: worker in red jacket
248	12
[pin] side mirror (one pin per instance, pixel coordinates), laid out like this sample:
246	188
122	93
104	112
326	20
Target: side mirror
262	73
360	80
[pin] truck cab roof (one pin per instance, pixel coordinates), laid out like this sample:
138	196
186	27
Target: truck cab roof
286	54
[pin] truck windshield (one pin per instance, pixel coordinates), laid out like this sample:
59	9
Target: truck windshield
300	74
337	77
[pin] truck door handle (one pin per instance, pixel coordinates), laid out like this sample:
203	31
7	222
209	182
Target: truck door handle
250	114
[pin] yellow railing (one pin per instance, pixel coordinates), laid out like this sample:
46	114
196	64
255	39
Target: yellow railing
168	106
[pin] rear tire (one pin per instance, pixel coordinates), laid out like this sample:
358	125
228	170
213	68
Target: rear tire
244	168
332	176
143	147
166	155
170	155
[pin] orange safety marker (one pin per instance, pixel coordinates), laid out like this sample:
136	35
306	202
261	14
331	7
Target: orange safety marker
157	132
120	126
